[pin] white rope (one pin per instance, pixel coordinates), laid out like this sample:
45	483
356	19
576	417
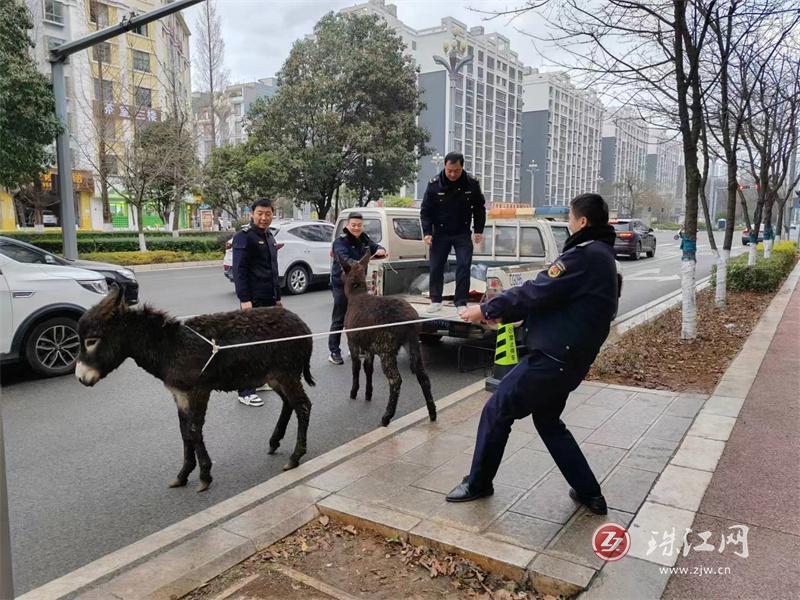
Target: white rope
216	347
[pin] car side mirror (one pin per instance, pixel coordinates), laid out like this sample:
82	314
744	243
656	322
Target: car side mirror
649	230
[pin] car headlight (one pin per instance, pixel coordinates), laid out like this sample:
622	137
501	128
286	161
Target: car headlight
128	273
98	286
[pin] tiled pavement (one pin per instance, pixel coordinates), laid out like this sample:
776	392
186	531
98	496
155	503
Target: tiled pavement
530	524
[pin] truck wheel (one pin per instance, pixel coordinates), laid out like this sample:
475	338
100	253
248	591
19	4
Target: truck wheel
51	347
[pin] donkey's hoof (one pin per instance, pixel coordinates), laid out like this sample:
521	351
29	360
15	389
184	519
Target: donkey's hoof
353	395
385	420
432	416
368	397
178	483
292	464
273	449
203	486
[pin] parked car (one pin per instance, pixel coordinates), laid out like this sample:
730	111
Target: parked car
23	252
40	304
633	238
304	257
746	237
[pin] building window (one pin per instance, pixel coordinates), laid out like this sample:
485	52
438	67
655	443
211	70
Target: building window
112	167
98	14
413	45
144	97
54	11
490	62
102	52
141	61
108	90
480	55
140	30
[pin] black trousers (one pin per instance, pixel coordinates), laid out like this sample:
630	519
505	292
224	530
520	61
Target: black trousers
256	304
337	318
537	386
440	249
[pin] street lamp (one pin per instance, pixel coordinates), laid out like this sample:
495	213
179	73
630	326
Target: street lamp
453	65
532	167
437	160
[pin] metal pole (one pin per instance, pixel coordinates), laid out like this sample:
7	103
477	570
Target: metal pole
64	163
452	145
6	577
531	188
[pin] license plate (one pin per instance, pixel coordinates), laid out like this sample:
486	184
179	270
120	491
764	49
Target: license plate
516	279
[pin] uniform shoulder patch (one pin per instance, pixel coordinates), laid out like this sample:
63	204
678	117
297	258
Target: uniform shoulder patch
556	269
584	244
245	227
433	179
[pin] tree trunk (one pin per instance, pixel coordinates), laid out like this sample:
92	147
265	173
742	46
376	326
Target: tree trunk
723	256
745	210
176	218
140	228
769	233
336	205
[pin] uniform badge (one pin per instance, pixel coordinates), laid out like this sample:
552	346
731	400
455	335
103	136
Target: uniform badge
556	269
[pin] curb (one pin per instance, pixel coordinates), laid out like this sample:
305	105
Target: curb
179	265
212	538
648	312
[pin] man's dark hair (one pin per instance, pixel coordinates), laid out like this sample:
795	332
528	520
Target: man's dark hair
265	202
355	215
591	206
454	157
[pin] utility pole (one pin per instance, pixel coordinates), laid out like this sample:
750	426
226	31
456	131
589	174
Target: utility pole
58	58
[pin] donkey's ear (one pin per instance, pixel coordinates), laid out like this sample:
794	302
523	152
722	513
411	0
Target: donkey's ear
112	303
119	296
343	263
365	260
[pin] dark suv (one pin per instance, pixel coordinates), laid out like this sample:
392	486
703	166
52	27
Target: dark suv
633	238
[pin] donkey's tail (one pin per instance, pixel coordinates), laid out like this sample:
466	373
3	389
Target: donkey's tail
415	354
307	372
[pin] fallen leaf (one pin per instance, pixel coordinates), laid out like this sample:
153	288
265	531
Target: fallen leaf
324	520
350	529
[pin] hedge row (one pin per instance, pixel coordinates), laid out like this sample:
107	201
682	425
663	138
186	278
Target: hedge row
767	274
148	258
33	237
131	244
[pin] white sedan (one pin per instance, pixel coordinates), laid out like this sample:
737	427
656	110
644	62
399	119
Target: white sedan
304	253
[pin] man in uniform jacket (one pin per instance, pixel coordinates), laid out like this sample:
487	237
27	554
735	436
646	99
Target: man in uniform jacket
567	311
453	203
350	246
255	270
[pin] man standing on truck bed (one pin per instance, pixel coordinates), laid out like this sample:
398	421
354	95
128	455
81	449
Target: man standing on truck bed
568	311
452	201
349	247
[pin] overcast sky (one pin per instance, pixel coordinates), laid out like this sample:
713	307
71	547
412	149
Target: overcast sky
259	33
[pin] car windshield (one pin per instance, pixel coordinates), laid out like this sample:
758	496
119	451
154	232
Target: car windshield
28	254
626	226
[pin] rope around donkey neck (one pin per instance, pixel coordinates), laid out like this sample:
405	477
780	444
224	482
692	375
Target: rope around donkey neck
216	347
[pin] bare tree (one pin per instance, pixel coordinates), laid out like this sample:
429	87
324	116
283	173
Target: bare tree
210	61
770	139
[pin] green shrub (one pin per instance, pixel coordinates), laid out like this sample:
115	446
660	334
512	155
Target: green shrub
152	257
130	243
767	274
666	226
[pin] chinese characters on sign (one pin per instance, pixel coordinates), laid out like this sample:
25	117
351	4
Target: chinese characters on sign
120	110
668	547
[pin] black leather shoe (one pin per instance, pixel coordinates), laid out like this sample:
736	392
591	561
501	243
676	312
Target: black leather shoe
463	493
596	504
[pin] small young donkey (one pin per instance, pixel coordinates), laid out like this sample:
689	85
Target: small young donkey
364	310
167	349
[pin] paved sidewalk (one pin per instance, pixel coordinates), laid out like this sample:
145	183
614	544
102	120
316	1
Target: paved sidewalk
756	484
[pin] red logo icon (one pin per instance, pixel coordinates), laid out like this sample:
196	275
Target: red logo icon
611	542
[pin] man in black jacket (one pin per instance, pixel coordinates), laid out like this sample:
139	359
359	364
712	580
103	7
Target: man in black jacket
350	247
255	270
568	311
452	203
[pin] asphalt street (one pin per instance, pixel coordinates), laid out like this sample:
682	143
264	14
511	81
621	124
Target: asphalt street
88	468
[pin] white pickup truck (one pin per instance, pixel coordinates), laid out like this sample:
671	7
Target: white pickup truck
513	251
